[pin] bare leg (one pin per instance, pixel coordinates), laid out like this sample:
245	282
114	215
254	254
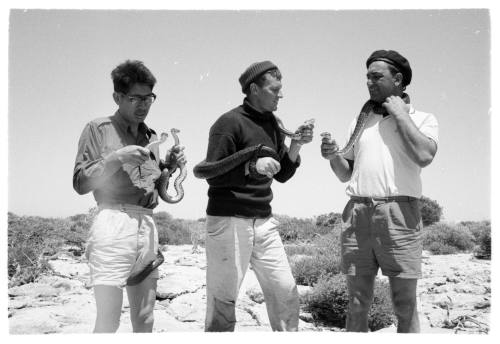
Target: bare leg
141	298
360	290
404	299
108	301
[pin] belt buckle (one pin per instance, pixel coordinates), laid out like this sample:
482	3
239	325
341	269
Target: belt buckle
377	202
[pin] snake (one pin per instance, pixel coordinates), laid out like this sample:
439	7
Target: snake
358	129
166	174
138	276
368	107
206	170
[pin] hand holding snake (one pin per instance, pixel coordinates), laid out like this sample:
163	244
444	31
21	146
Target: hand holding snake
175	158
304	134
329	147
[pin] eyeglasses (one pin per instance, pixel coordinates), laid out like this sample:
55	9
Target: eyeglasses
147	99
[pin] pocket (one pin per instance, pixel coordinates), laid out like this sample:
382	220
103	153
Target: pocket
404	216
215	225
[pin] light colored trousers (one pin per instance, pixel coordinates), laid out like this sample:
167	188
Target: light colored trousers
232	244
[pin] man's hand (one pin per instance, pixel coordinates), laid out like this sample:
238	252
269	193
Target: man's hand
175	156
267	166
396	106
306	131
329	147
133	155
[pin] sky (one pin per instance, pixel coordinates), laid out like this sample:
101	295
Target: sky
59	64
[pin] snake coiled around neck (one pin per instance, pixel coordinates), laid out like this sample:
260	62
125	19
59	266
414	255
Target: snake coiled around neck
369	107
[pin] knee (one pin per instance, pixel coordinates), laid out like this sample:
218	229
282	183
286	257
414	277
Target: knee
404	306
359	303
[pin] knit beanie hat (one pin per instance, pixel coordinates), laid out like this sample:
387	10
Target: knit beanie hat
253	72
394	58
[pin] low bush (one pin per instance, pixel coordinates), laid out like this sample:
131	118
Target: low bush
481	230
329	220
294	230
300	249
483	248
430	210
323	260
444	238
329	300
177	231
30	240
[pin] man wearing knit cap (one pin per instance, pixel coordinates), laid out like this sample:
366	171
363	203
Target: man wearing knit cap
382	223
241	230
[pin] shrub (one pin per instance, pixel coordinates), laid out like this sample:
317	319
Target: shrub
381	314
293	229
300	249
177	231
483	248
30	240
79	228
329	220
324	260
309	270
481	230
441	248
430	211
328	303
443	238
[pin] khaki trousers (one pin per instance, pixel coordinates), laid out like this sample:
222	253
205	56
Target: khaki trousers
232	244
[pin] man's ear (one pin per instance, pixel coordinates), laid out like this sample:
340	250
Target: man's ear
253	88
116	98
399	79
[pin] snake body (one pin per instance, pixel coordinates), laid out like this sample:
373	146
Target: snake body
166	174
205	170
358	129
138	276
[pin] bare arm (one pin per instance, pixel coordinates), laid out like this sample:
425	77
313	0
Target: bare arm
419	147
341	166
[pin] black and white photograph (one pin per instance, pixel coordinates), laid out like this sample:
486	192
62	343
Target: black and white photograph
209	168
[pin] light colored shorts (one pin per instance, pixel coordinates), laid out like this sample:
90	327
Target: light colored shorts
123	239
385	235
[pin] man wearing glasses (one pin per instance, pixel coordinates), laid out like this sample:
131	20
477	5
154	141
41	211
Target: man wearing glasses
114	164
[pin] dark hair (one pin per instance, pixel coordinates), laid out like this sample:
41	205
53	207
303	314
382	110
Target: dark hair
129	73
275	72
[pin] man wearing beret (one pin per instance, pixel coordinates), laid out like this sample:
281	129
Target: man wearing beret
382	223
241	230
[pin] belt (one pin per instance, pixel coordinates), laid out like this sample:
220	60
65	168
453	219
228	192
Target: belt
383	199
126	208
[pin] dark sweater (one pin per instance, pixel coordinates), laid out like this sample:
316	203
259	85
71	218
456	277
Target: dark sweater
233	193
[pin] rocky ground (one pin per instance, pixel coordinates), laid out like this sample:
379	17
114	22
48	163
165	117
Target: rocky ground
454	297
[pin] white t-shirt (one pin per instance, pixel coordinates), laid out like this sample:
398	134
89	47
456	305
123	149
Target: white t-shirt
381	165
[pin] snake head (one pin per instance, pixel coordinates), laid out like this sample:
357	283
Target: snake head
174	131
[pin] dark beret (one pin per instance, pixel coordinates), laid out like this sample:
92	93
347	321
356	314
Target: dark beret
394	58
253	72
